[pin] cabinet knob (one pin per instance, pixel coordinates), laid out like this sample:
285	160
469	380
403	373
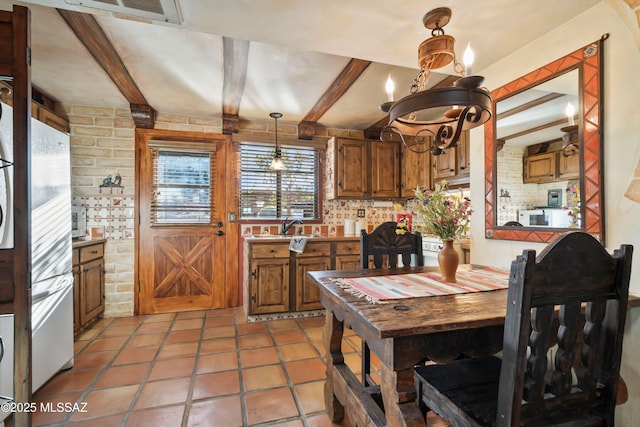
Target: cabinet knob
254	273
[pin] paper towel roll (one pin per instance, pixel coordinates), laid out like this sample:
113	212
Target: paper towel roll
349	227
358	227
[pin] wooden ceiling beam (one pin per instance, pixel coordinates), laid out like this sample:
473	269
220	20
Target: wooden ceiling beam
347	77
527	105
90	33
374	131
236	57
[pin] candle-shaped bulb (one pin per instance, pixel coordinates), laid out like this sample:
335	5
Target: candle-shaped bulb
389	87
570	111
467	59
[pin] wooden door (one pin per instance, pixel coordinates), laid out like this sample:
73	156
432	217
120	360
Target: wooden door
568	167
307	292
181	238
91	290
351	168
385	169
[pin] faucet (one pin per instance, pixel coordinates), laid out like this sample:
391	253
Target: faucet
286	227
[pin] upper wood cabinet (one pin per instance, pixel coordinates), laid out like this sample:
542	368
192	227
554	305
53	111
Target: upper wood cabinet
568	167
454	164
362	169
385	169
415	171
539	168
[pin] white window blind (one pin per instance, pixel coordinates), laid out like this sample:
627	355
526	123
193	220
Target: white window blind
289	193
182	190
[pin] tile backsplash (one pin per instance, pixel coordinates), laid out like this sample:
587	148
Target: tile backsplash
113	213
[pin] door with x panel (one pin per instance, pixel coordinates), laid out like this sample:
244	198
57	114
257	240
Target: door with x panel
181	258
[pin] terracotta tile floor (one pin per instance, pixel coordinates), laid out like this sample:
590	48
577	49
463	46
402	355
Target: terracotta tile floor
199	368
202	368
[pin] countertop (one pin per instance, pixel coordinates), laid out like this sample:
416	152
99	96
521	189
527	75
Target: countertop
319	238
75	244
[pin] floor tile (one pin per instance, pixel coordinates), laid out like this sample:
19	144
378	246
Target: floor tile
43	416
270	405
302	371
163	392
216	384
314	334
127	321
311	322
114	343
282	325
220	321
153	327
68	381
186	335
123	375
263	377
288	337
258	357
297	351
172	368
255	340
219	345
109	421
108	401
195	314
217	362
226	411
219	332
93	360
146	340
173	351
118	331
166	416
136	355
252	328
311	396
180	325
165	317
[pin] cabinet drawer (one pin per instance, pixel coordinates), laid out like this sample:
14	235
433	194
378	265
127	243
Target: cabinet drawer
348	248
91	252
316	249
270	251
75	257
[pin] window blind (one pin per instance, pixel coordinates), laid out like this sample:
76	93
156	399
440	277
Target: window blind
267	194
182	190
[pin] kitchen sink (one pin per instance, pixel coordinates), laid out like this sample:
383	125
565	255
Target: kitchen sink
280	236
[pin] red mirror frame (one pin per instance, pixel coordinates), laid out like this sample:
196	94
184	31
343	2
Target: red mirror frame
589	62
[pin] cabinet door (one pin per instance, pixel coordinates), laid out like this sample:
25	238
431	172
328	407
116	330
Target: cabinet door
444	166
464	157
415	172
539	168
91	290
348	262
351	168
307	293
568	167
269	285
385	169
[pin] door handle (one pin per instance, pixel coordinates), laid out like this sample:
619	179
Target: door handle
219	233
219	224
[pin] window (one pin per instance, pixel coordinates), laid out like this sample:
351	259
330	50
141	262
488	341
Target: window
267	194
182	187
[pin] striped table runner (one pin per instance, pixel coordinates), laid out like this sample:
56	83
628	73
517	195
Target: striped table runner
381	288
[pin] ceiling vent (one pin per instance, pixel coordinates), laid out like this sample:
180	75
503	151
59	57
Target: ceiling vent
156	10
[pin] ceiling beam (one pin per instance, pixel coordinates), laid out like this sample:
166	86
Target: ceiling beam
374	131
534	103
535	129
236	57
90	33
341	84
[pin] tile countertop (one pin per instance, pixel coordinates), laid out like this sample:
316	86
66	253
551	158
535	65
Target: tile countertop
81	243
280	238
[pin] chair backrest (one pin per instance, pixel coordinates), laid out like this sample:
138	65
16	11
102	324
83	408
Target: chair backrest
575	294
384	245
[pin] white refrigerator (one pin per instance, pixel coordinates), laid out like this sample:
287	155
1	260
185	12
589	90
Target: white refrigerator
51	265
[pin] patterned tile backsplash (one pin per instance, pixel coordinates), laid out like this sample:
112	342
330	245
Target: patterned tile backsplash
112	213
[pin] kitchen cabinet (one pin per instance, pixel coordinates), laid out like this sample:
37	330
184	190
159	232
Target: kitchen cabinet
316	257
362	169
88	285
276	279
415	172
269	278
385	169
539	168
347	255
568	167
454	164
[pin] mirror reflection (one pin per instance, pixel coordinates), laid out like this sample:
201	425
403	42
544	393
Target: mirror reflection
538	156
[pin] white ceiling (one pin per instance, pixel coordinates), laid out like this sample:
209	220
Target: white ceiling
297	49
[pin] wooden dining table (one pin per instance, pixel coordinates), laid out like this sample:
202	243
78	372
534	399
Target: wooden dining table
401	333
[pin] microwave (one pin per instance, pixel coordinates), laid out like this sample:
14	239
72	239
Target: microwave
78	222
553	218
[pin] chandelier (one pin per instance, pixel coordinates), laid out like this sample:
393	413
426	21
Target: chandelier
276	162
435	118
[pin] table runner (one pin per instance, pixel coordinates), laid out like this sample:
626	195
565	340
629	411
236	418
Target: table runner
380	288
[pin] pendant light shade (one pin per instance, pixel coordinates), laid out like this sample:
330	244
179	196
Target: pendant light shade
276	162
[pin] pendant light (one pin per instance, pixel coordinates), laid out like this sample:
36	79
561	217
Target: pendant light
276	163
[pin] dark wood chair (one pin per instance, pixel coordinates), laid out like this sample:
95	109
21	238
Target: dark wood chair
385	247
574	294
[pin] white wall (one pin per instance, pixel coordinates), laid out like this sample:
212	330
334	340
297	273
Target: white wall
621	151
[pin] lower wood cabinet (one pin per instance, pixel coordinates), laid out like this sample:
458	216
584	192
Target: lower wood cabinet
88	285
276	278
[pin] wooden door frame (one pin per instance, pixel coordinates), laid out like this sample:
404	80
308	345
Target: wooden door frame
226	155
